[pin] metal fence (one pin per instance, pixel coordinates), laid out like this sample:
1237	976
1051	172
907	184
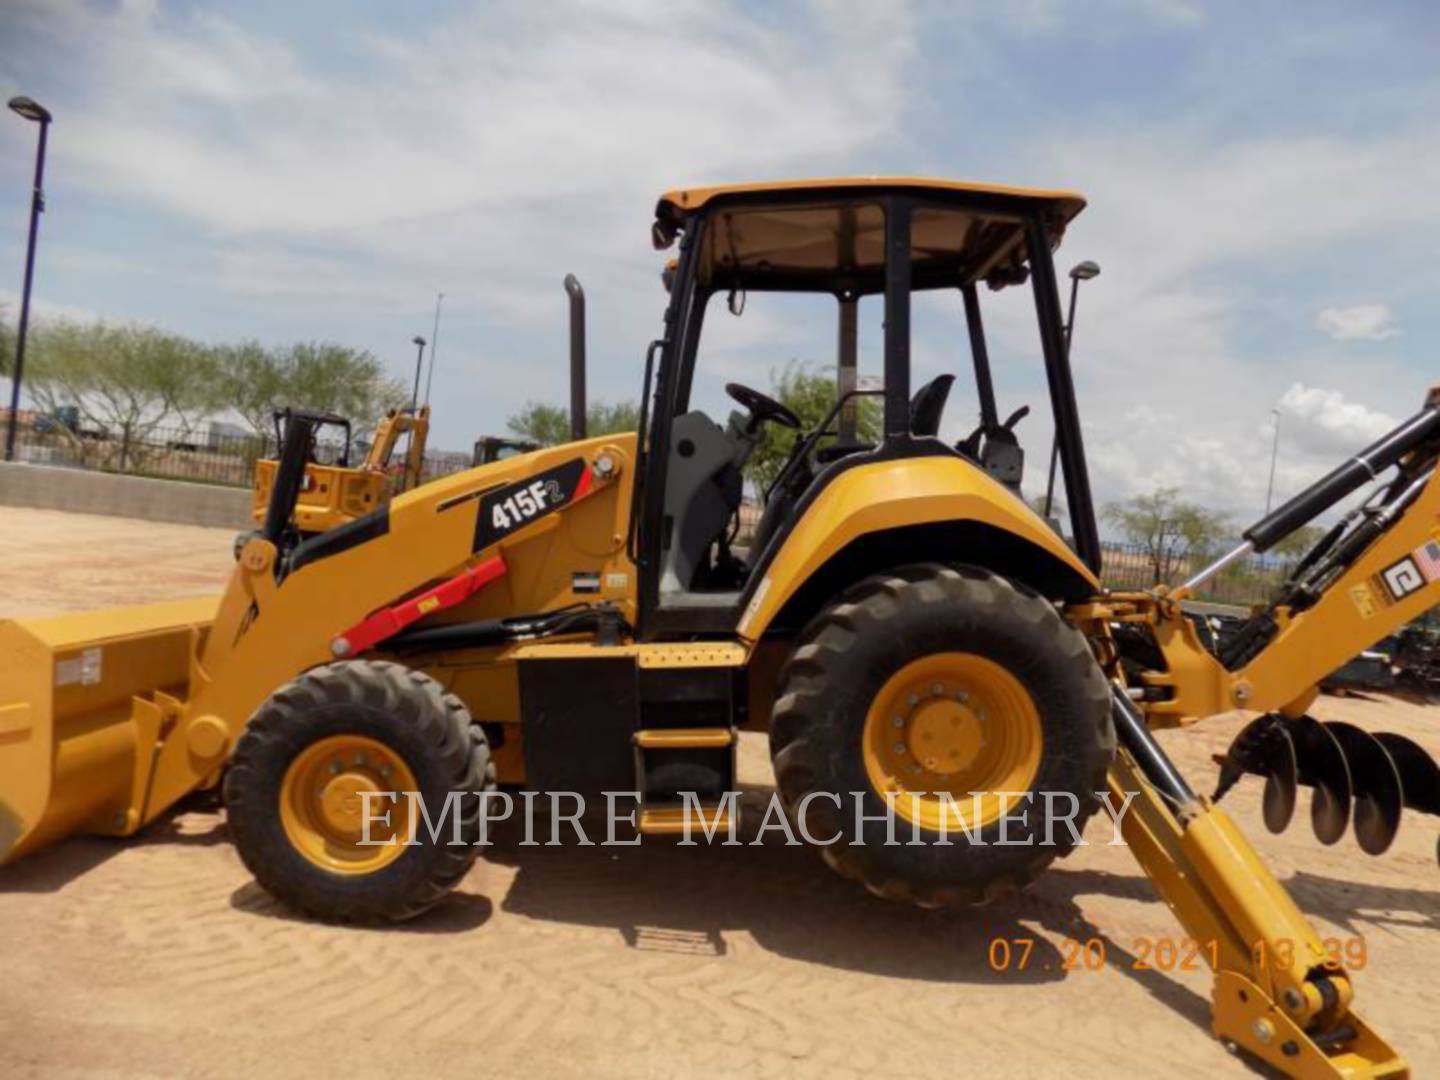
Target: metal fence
1244	583
198	454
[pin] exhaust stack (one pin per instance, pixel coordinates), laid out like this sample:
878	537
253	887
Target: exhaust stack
577	356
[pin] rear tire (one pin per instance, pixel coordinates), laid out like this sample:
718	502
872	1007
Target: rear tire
292	791
1003	692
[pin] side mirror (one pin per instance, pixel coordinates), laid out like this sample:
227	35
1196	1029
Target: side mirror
662	235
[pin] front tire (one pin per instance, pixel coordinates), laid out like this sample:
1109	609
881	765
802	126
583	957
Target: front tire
296	792
931	681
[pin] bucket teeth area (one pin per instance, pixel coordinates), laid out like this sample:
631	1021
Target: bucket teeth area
1355	776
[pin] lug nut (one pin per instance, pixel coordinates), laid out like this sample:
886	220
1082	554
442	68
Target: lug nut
899	748
937	689
898	721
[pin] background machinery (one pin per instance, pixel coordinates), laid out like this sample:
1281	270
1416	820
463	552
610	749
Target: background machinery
904	626
333	494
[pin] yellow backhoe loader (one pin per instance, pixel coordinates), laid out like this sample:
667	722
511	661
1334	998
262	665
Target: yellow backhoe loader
903	625
332	495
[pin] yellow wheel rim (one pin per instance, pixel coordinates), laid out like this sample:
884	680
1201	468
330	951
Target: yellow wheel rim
323	804
947	725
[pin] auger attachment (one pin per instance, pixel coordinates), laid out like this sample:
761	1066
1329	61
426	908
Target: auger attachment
1354	775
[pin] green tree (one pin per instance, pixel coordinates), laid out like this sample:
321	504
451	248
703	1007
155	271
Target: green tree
549	425
319	376
124	380
810	394
7	343
1173	534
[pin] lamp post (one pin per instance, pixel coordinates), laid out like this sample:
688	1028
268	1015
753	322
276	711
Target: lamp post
1079	272
419	342
434	345
33	111
1274	455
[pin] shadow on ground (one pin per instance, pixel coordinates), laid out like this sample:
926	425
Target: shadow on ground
51	869
667	896
461	911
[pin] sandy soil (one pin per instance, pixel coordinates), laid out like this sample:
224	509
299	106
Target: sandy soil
55	561
160	957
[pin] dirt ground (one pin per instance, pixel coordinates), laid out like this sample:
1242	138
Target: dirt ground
159	956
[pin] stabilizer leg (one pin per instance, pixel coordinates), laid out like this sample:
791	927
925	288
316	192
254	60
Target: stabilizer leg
1278	993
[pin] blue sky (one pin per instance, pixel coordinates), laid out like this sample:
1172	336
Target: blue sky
1261	178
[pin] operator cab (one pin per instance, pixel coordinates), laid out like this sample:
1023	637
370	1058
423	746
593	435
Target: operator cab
813	251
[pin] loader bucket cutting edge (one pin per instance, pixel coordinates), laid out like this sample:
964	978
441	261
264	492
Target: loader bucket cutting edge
71	745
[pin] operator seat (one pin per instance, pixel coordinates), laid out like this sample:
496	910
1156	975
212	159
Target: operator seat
926	407
928	404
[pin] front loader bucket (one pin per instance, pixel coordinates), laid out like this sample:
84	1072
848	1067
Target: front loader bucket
74	747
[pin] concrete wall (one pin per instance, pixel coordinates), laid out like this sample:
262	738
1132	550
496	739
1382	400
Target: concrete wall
48	488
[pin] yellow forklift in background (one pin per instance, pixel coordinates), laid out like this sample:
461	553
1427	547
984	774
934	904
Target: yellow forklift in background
903	625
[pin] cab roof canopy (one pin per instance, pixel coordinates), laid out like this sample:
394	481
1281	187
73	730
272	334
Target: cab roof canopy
829	235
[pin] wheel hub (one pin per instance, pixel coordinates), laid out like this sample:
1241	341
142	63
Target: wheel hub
342	803
953	738
329	795
945	736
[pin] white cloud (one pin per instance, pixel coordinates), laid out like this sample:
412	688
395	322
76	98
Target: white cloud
491	150
1326	422
1359	322
497	111
1204	238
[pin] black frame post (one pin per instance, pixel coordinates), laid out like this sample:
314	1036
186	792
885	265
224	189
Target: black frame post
1062	393
37	207
897	317
980	356
846	365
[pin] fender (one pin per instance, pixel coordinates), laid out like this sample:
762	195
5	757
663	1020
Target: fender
886	495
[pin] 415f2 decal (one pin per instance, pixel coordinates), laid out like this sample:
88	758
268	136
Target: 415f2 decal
516	505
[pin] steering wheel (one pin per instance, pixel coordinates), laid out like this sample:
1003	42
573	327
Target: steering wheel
762	407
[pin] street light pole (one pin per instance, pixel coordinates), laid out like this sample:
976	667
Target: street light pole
1079	272
419	341
33	111
1274	455
434	345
